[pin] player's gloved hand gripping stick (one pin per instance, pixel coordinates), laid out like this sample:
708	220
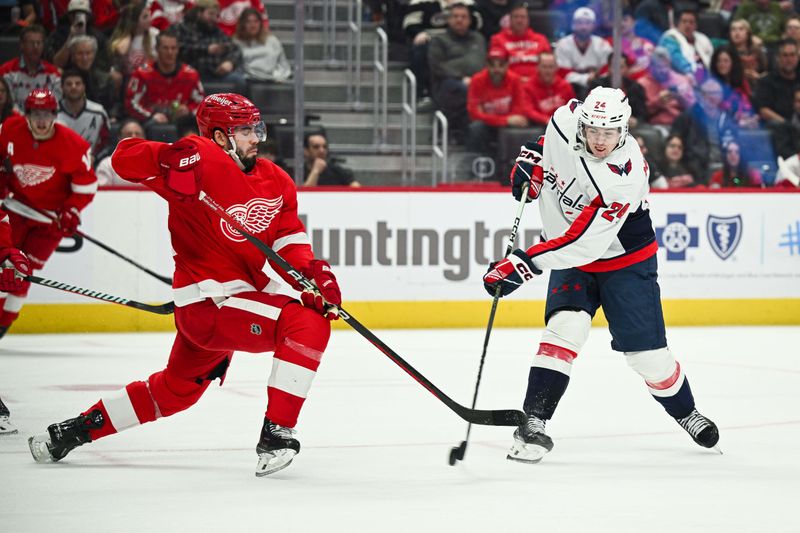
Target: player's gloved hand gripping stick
502	417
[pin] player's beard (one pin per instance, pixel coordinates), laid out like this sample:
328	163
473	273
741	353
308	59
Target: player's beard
247	162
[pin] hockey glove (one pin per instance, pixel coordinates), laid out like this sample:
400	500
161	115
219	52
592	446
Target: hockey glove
528	169
327	297
13	262
68	220
510	273
180	167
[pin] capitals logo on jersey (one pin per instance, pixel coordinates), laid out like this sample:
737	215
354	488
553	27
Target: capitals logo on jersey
256	216
621	170
30	175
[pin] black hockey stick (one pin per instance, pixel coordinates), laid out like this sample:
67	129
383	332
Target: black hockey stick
105	247
163	309
501	417
457	453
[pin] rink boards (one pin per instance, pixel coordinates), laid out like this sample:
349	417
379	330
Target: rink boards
415	258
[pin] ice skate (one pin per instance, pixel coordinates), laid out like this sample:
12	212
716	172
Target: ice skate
276	448
702	430
64	437
530	442
6	427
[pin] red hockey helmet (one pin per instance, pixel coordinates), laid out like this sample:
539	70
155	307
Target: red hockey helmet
225	111
41	98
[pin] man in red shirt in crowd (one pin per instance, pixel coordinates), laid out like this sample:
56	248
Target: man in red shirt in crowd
547	91
163	90
225	292
51	171
522	43
495	99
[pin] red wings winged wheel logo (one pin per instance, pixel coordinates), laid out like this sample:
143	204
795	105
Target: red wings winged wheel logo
256	216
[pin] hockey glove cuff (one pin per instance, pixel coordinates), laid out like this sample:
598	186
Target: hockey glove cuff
15	264
528	169
510	273
181	169
327	298
68	220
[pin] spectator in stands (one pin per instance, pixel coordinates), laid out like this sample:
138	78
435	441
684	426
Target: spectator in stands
322	170
166	89
6	103
133	42
423	20
269	150
495	99
791	29
735	172
689	49
705	128
766	17
673	165
653	18
774	97
25	16
101	87
750	50
522	44
264	57
106	175
788	172
78	21
186	125
581	55
454	56
495	15
667	94
86	118
637	49
726	68
657	179
547	91
29	70
230	13
206	47
633	90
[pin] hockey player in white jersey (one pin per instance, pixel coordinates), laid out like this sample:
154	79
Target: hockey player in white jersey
598	241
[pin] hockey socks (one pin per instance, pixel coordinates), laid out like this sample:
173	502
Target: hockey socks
548	380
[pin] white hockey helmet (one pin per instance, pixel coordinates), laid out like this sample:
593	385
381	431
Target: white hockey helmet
604	108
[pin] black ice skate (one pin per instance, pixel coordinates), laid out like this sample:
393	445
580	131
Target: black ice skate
276	448
701	429
64	437
6	427
530	442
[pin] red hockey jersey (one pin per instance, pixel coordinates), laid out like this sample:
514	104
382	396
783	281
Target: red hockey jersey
50	175
149	91
212	259
493	104
523	50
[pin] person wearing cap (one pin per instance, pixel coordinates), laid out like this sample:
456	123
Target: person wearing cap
78	21
581	55
495	99
689	49
522	44
29	71
547	91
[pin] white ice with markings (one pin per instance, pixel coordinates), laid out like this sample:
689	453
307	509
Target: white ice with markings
375	443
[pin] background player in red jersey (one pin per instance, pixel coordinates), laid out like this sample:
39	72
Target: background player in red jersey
48	168
224	300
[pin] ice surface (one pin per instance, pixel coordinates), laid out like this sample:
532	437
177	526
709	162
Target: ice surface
375	443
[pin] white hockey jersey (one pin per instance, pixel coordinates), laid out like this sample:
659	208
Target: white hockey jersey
594	213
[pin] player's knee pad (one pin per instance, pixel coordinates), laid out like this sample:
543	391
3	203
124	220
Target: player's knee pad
568	329
660	370
302	328
172	393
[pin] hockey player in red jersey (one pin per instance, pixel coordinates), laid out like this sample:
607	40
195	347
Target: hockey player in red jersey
597	238
224	301
47	167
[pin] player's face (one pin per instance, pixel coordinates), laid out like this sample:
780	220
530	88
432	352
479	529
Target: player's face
247	139
41	122
601	141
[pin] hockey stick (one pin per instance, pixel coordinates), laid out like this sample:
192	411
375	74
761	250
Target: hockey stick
163	309
502	417
16	203
457	453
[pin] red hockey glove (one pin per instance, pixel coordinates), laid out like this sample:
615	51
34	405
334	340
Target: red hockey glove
326	299
510	273
180	167
13	262
68	220
528	169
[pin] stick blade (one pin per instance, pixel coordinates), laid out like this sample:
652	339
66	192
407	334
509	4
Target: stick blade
498	417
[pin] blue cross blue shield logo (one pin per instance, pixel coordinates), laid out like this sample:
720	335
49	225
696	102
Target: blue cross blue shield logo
724	234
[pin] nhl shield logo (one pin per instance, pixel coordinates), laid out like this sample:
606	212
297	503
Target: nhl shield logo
724	234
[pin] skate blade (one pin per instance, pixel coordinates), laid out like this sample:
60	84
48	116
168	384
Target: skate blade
717	449
271	462
39	449
6	427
